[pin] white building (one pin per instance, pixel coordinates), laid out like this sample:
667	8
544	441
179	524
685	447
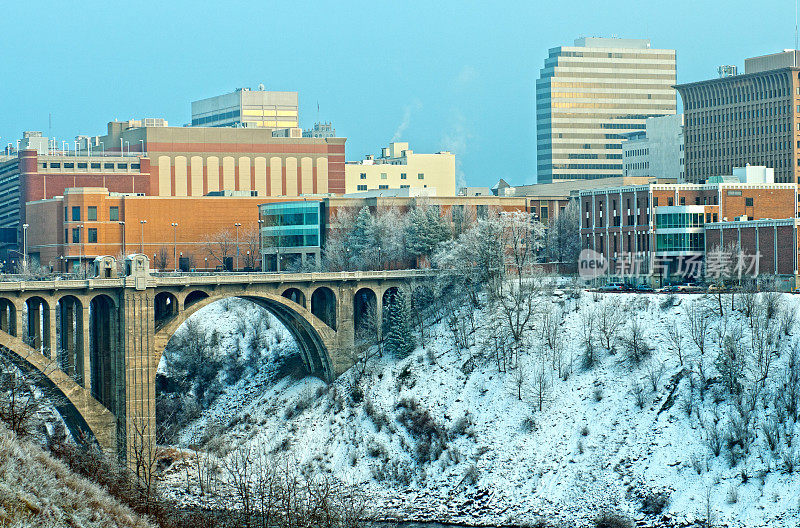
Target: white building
656	151
247	108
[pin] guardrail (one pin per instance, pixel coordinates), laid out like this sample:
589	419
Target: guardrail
63	282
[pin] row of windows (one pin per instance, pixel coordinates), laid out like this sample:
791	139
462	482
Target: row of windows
91	235
557	52
680	242
616	95
588	156
543	83
738	94
216	117
91	213
669	78
565	62
638	165
614	106
83	165
752	112
364	187
679	220
384	176
638	152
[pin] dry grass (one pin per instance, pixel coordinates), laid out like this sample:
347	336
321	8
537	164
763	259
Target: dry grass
37	490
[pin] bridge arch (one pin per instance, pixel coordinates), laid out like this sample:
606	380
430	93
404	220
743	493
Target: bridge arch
193	297
8	317
323	305
365	315
315	339
69	342
165	305
296	295
38	328
106	367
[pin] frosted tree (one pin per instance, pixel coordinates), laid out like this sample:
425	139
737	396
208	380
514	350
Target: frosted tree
336	255
363	242
562	242
399	337
425	231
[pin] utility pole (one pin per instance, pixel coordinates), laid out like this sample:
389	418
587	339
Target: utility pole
141	240
237	225
175	244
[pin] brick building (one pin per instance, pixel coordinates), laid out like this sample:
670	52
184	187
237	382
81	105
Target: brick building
664	230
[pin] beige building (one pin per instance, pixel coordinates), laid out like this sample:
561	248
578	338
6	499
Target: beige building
588	96
248	108
398	167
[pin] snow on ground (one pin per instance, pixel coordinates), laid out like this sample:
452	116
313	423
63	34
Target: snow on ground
590	449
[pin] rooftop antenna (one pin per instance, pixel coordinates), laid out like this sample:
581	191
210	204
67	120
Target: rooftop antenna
795	26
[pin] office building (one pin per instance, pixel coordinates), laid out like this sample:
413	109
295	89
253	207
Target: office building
662	230
320	130
656	151
399	167
186	161
727	70
589	95
745	119
247	108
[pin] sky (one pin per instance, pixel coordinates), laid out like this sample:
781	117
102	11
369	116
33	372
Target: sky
443	75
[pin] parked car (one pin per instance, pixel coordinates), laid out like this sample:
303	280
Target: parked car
669	288
644	288
613	287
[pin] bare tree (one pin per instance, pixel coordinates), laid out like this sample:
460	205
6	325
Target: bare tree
698	322
220	246
541	386
588	326
676	339
250	246
609	319
634	342
18	403
162	259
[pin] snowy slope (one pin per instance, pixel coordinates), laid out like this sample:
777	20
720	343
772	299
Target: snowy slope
590	449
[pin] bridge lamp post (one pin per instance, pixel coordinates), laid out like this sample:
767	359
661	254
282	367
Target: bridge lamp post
237	225
80	247
141	240
175	244
124	249
25	247
260	254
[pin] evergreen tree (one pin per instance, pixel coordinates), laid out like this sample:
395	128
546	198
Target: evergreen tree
398	333
425	231
362	242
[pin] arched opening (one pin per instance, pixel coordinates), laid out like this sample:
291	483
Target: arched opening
193	297
38	331
105	357
228	347
295	295
8	317
365	316
323	305
69	344
165	307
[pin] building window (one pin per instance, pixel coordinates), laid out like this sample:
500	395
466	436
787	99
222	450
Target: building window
135	166
405	186
122	166
58	165
383	176
383	186
748	202
92	235
683	200
543	211
81	165
69	165
362	187
95	165
76	235
655	201
76	214
403	174
734	193
421	176
363	175
108	165
91	213
670	201
113	213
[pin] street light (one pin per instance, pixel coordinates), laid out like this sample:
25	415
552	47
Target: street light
175	244
237	225
25	247
124	249
80	247
141	240
260	254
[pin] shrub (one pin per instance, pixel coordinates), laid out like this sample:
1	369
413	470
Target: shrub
528	424
471	475
585	430
607	519
668	301
654	502
461	426
431	437
732	497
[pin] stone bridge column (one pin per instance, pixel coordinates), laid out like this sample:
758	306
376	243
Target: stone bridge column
85	353
342	357
51	333
138	429
379	313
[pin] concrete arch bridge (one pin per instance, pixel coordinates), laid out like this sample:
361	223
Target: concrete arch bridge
95	344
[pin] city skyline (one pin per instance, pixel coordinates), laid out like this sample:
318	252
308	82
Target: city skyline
474	96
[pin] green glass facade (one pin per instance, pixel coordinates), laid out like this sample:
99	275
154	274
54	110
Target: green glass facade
291	225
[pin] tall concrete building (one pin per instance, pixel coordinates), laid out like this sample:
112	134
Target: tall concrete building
589	95
738	120
656	151
247	108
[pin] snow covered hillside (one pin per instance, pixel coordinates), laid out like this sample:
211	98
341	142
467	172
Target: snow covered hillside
652	406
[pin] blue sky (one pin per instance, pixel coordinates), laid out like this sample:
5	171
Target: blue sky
441	75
